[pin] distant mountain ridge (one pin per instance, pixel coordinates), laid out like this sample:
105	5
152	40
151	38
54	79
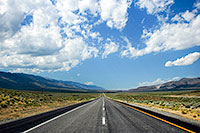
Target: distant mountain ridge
183	84
21	81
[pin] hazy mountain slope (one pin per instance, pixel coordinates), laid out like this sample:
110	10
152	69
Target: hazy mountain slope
83	86
22	81
183	84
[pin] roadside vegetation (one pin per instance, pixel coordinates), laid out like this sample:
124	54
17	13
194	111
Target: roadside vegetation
18	104
184	103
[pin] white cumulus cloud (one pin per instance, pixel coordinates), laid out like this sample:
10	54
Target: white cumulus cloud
170	36
110	48
89	5
89	83
197	4
184	61
114	12
154	6
188	15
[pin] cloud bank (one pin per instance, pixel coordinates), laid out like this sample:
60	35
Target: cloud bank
37	36
157	81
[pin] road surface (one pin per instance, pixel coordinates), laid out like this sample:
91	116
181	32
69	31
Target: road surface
103	116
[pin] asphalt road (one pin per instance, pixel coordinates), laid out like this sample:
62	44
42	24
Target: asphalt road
104	115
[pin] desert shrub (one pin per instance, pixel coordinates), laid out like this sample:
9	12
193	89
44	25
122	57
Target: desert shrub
184	112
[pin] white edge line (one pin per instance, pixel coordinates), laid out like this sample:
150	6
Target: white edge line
54	118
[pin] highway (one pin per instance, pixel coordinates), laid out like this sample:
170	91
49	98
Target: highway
105	116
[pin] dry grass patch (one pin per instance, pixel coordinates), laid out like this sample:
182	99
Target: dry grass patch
18	104
184	103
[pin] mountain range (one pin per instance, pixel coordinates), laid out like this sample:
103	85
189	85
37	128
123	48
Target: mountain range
183	84
21	81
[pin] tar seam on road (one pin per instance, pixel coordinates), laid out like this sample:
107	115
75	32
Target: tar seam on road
55	118
104	116
159	119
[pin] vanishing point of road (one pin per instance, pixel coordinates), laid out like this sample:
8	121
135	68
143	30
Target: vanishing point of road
104	116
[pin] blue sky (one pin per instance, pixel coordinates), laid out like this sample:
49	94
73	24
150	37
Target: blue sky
116	44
